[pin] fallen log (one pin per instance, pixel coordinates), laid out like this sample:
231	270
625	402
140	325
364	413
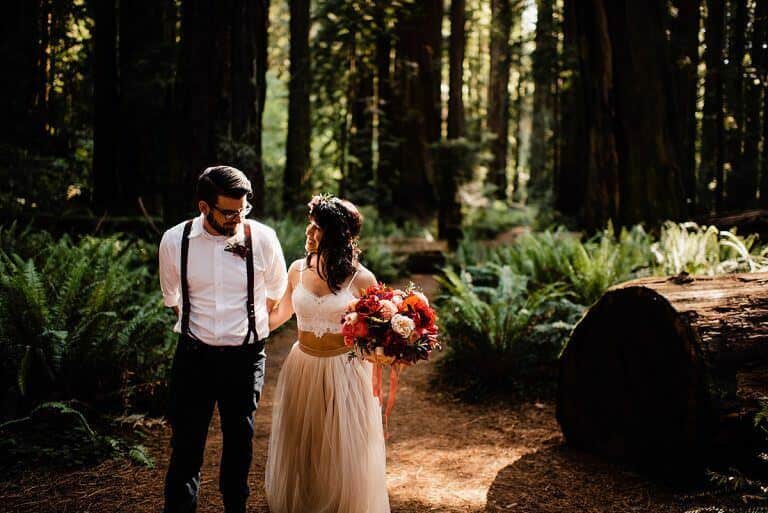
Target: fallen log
748	221
668	373
421	256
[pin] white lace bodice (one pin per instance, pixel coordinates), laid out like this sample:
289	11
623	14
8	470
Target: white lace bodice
320	314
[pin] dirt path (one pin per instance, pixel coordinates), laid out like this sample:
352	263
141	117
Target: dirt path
442	455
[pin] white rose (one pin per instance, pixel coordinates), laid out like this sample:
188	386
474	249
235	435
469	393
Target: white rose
402	325
350	318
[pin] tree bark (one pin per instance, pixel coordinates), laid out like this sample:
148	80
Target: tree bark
449	214
711	167
416	77
761	48
457	42
146	63
684	28
297	161
667	372
498	95
737	183
631	172
387	104
22	98
358	181
601	164
198	91
755	87
106	183
544	60
570	174
248	28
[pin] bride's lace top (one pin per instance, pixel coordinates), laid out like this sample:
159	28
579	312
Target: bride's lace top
320	314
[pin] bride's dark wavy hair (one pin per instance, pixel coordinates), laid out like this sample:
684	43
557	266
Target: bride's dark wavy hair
341	222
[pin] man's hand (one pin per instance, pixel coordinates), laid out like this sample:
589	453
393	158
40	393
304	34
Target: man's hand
271	304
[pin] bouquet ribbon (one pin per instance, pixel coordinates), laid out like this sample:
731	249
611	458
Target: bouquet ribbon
378	378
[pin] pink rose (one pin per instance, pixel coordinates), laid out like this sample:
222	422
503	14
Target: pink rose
388	309
397	300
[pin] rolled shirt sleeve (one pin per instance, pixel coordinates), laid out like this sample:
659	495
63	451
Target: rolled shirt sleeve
168	254
276	276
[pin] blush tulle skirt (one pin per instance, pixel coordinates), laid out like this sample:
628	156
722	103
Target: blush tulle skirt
326	449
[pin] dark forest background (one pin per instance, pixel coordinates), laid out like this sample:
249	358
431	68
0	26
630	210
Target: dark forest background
623	111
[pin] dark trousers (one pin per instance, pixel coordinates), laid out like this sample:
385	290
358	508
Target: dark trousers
202	376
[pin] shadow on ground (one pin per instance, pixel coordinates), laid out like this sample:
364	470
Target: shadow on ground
560	479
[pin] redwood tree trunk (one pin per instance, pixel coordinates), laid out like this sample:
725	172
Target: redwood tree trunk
449	215
198	89
685	56
358	182
647	137
297	147
544	59
761	20
415	70
387	103
457	43
22	93
601	165
106	185
146	62
755	87
498	95
248	29
631	172
737	182
710	170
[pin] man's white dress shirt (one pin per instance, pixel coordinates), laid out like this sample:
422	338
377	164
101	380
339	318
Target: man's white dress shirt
218	284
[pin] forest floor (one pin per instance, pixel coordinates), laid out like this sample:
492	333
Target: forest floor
442	455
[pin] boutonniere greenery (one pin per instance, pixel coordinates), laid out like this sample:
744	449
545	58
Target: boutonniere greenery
237	248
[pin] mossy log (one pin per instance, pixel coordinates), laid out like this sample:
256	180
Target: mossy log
669	372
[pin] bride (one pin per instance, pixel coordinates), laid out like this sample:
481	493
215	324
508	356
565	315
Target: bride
326	449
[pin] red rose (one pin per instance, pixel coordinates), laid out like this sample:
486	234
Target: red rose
360	330
368	305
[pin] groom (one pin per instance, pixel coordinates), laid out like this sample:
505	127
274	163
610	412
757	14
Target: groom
221	274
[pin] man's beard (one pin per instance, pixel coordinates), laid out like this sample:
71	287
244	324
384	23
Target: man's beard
221	229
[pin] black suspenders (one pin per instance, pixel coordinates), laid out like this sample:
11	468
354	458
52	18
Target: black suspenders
249	267
185	285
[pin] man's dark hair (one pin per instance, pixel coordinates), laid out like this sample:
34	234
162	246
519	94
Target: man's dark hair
222	180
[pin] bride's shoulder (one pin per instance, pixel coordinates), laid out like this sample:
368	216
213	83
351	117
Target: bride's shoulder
364	277
297	265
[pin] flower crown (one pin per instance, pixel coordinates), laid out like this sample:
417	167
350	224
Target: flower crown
323	199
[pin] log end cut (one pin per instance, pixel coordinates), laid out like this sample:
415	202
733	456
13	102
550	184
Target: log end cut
651	373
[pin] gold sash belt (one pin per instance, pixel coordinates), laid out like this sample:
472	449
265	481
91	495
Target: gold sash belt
330	344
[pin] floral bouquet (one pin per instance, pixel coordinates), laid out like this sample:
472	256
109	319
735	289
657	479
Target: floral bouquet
390	327
394	326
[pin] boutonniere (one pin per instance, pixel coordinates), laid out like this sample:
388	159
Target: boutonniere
237	248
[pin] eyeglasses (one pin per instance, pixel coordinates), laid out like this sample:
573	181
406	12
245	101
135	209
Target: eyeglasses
231	215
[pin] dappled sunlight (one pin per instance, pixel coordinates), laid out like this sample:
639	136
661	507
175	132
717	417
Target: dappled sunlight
449	477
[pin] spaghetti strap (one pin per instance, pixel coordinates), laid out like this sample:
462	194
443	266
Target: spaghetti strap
302	268
353	279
